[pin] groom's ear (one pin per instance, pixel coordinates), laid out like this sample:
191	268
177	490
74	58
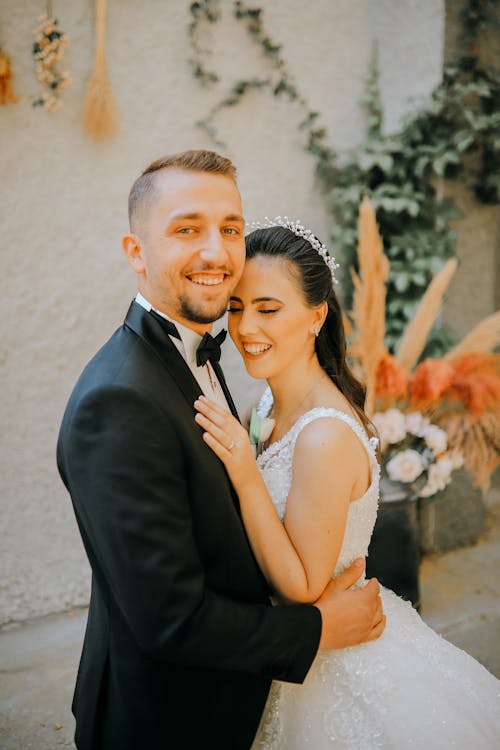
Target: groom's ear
134	252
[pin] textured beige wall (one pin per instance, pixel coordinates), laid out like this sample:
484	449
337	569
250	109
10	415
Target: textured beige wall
63	209
478	232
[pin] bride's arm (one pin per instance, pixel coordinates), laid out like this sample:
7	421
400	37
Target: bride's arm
296	557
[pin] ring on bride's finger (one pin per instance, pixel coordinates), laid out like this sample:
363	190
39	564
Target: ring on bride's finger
231	445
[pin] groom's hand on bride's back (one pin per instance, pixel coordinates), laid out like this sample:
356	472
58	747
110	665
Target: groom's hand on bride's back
350	616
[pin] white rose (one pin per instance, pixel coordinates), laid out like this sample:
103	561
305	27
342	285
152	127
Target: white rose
436	439
416	423
391	426
445	466
429	489
456	459
405	466
439	474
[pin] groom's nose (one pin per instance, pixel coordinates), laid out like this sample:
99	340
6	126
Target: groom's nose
213	248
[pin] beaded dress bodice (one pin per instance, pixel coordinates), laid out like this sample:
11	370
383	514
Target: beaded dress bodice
275	465
407	690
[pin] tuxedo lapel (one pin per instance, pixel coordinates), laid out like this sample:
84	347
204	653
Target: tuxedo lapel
151	329
152	332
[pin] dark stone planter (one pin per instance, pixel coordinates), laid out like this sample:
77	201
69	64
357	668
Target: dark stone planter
394	552
454	517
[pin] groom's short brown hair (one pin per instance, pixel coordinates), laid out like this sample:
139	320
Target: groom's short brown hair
195	160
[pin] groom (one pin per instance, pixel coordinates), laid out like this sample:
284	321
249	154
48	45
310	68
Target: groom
181	642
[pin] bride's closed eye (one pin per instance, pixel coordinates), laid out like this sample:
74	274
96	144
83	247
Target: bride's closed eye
231	309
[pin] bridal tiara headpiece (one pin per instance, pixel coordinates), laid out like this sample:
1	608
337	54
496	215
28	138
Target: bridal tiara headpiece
300	231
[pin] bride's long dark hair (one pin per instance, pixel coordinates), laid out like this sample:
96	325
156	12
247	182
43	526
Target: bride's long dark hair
315	280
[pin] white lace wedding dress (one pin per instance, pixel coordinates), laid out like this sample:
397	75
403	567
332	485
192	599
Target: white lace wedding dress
408	689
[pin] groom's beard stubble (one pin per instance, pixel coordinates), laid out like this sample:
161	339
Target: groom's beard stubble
197	315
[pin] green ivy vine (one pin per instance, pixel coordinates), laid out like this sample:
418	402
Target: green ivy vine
456	133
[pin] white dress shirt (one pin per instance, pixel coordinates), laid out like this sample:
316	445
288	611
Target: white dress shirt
187	346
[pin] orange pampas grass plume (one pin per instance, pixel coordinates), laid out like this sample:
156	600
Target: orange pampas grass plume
368	312
100	115
483	338
413	341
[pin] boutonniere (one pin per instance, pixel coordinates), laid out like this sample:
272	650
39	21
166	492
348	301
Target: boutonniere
260	429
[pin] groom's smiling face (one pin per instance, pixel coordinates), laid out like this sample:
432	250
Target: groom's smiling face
188	245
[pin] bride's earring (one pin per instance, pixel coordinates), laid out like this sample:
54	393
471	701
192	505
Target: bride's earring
316	331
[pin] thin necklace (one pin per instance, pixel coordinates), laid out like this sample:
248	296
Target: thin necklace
287	421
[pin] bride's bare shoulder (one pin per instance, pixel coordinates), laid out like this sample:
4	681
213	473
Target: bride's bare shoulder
327	434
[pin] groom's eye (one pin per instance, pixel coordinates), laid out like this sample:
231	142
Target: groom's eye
185	230
230	230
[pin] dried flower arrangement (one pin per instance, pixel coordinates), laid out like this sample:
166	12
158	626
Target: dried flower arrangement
459	393
48	49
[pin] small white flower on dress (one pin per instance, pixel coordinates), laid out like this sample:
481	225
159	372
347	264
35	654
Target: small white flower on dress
406	466
436	439
416	423
266	428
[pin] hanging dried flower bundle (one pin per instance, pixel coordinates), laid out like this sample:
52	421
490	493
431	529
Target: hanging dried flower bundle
48	49
7	95
100	115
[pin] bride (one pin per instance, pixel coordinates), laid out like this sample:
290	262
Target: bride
309	505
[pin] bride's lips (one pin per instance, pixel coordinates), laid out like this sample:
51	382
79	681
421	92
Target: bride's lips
255	349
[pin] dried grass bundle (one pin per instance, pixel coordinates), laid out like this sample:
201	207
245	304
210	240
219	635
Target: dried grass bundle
368	312
100	114
412	344
477	440
476	383
483	338
7	95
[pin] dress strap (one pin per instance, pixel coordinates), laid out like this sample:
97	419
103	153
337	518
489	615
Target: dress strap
318	412
265	403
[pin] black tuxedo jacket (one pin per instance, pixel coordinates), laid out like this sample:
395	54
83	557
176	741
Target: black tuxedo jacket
181	641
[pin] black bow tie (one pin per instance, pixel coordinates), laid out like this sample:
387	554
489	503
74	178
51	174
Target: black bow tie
209	348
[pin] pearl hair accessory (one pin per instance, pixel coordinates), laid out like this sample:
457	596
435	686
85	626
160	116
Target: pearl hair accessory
300	231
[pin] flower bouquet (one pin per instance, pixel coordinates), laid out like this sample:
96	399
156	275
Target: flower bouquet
414	452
